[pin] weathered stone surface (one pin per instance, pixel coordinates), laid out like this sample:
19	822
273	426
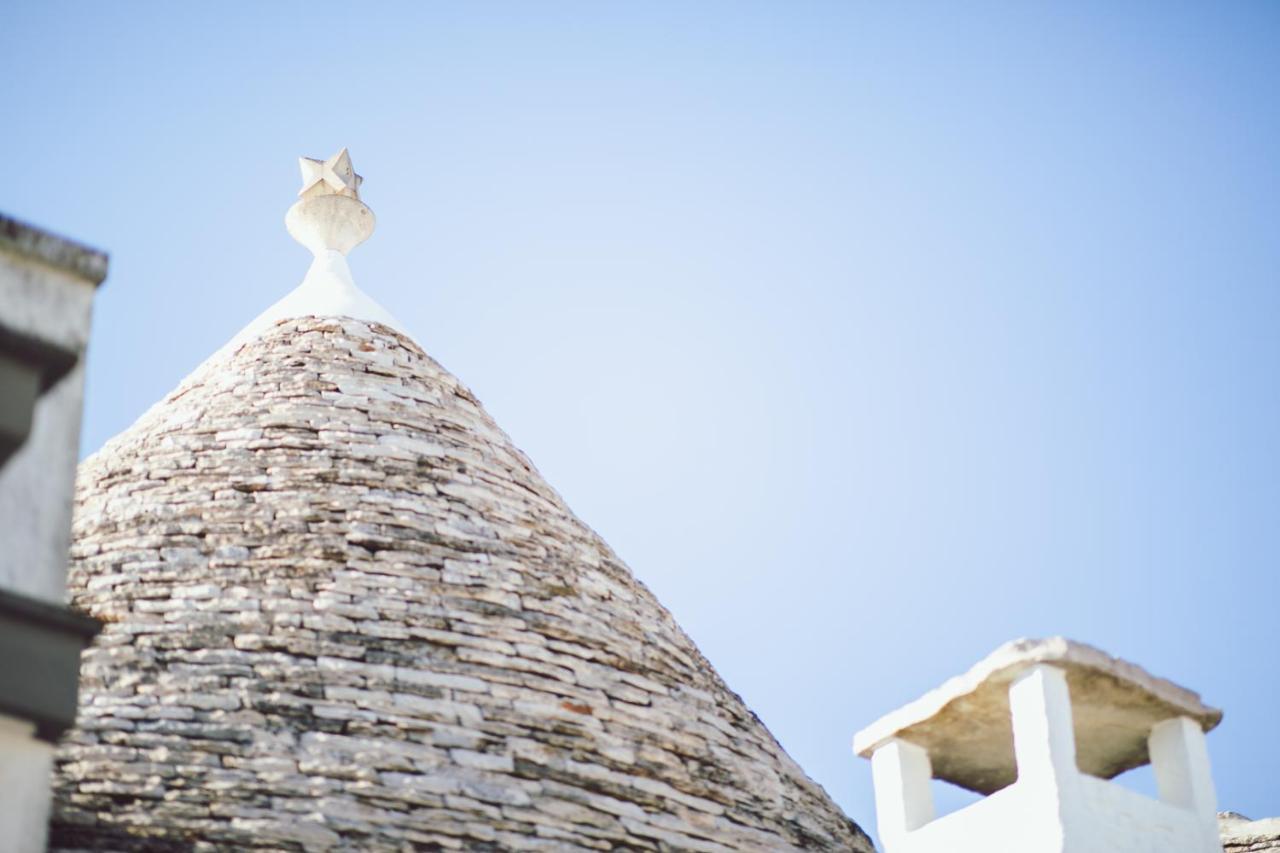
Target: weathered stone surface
345	613
1241	835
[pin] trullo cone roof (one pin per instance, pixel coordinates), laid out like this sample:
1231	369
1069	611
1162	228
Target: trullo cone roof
343	612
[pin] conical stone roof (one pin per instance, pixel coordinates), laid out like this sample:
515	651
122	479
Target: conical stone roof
343	612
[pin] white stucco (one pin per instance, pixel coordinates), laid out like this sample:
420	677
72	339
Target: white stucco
35	495
327	291
25	764
53	306
1051	807
47	286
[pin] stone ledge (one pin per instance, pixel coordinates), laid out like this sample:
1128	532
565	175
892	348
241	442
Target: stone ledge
42	644
1241	834
36	243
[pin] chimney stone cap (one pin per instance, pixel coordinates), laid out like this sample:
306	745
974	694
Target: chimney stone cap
965	726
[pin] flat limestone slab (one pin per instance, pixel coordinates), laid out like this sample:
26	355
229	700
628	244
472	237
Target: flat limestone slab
1239	834
965	727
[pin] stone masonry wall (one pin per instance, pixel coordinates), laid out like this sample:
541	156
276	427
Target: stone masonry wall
344	613
1241	835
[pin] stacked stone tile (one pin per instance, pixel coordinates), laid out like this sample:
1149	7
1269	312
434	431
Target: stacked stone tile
1241	835
343	612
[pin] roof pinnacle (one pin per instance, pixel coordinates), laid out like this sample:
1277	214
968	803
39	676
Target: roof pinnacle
334	176
330	220
329	216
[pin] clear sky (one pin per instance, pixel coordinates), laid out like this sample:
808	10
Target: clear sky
870	335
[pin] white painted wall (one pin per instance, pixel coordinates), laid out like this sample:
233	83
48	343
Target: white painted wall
36	482
36	486
25	765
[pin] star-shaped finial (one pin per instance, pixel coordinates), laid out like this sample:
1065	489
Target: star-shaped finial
334	176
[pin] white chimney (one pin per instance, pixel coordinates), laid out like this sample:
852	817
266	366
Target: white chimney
1039	727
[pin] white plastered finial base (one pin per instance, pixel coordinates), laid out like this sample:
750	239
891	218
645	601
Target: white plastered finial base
330	220
327	291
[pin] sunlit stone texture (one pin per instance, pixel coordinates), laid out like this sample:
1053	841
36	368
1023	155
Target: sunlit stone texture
344	612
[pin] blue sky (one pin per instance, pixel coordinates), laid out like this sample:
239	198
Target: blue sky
871	336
